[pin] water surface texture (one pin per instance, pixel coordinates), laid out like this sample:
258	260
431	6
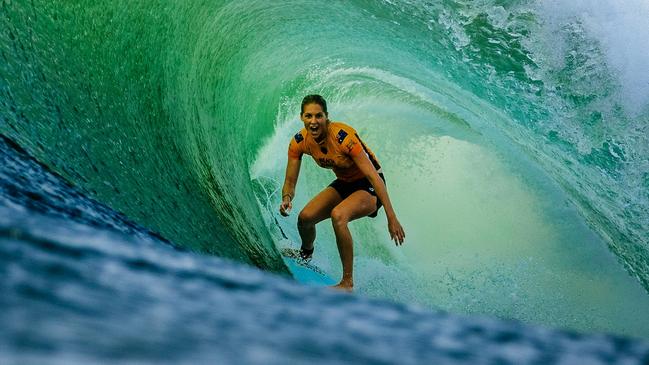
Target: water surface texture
513	134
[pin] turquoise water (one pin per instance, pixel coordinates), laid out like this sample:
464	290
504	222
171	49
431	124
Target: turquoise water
513	135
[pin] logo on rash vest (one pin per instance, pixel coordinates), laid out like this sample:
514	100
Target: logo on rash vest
299	138
341	136
327	163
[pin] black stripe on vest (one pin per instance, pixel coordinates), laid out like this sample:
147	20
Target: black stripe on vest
374	161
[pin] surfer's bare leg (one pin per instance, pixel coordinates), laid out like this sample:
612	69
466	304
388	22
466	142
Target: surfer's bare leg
359	204
316	210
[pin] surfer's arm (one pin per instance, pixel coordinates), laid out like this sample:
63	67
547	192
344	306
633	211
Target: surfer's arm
365	165
290	180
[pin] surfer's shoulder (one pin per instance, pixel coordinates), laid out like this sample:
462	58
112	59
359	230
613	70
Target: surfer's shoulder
337	126
341	130
299	136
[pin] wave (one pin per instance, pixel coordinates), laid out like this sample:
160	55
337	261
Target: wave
503	126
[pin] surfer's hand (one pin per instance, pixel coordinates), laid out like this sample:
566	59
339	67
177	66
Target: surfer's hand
285	207
396	231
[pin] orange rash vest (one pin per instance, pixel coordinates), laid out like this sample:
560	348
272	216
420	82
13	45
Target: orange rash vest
335	152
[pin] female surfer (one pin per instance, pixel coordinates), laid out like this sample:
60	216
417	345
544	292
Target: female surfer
358	190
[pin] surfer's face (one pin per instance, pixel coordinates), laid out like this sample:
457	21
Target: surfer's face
315	121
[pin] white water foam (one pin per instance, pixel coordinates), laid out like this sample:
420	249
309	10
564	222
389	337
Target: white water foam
622	30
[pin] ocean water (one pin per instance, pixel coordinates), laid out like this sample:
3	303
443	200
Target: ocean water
513	135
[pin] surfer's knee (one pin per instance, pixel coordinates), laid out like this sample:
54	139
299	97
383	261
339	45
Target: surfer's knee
305	218
339	216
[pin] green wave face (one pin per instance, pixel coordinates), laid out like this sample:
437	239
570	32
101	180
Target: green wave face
135	103
514	140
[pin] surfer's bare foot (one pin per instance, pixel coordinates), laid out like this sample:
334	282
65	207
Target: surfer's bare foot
344	286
